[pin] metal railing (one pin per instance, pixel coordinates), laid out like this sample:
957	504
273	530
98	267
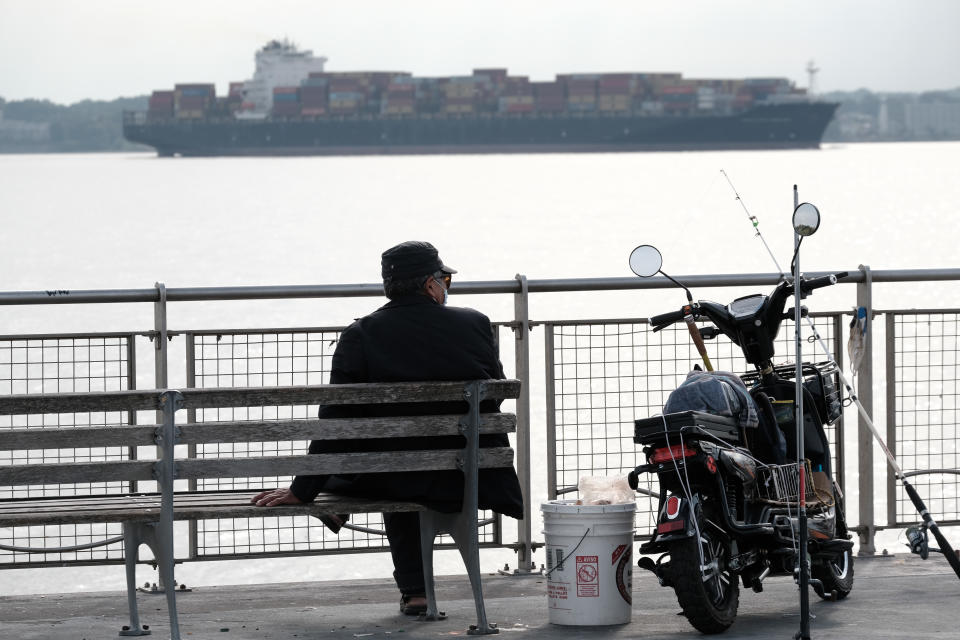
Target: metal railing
604	374
592	367
66	363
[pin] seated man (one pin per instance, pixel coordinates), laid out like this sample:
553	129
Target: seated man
414	337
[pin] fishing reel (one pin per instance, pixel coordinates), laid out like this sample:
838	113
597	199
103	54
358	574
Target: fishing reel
919	541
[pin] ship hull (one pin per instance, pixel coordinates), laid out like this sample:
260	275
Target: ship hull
785	126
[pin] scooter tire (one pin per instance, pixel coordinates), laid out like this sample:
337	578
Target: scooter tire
709	603
836	575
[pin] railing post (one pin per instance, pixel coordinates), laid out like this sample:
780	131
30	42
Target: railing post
867	526
131	354
192	536
160	329
551	391
840	473
521	337
891	359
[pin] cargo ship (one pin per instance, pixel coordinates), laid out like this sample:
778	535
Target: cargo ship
294	106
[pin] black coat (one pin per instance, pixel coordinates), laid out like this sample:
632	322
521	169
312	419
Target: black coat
414	339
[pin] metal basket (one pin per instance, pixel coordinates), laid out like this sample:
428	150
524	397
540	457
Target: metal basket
780	484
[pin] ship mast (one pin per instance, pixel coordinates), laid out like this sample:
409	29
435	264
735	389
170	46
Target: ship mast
812	70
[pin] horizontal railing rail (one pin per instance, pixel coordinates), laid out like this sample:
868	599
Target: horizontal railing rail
196	294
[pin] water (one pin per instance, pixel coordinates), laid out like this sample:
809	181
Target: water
114	221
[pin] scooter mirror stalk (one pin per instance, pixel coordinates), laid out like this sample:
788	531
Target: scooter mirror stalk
646	261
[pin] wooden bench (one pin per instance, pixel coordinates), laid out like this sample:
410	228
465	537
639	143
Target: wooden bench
148	518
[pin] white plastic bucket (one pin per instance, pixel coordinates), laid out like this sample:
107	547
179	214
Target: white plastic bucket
589	562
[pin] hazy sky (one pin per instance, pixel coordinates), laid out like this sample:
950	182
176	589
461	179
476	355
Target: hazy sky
67	50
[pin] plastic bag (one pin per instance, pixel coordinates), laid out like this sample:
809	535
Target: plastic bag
605	490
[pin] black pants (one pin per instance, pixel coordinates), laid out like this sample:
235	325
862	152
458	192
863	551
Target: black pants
403	533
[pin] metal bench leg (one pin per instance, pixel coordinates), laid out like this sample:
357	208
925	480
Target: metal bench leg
463	528
132	539
162	548
163	551
430	525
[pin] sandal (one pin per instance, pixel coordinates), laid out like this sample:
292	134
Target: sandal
412	609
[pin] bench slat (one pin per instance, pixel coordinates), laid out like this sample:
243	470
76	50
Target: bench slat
331	463
76	472
366	393
250	431
374	462
77	437
28	404
339	428
361	393
187	506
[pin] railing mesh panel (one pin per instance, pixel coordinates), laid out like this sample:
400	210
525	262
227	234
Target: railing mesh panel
608	373
927	368
66	364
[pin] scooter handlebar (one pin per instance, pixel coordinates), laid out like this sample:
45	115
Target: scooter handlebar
823	281
665	319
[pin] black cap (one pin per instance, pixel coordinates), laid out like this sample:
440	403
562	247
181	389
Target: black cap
410	259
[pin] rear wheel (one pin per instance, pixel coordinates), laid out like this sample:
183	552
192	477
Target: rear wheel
707	591
836	573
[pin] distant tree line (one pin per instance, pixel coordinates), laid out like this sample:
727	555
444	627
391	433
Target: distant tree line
97	125
90	125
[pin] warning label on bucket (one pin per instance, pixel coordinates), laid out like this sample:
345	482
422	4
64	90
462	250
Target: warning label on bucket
588	570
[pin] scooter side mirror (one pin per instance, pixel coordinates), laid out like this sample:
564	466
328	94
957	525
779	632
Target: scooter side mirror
806	219
645	261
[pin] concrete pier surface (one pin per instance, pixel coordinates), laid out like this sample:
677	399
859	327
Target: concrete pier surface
893	597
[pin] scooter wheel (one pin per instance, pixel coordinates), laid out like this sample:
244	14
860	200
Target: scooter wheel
709	594
836	574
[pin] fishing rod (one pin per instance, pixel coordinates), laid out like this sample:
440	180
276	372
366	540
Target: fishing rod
917	536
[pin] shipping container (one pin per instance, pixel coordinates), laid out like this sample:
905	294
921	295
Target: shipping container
515	104
548	89
401	88
192	102
552	104
345	96
314	96
497	76
344	85
204	89
581	88
620	82
614	103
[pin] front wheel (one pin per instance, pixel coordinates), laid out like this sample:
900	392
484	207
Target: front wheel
706	589
836	574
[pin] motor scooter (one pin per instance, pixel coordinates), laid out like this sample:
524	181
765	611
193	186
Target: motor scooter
730	484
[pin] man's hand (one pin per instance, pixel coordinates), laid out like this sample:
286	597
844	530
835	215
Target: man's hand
275	497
